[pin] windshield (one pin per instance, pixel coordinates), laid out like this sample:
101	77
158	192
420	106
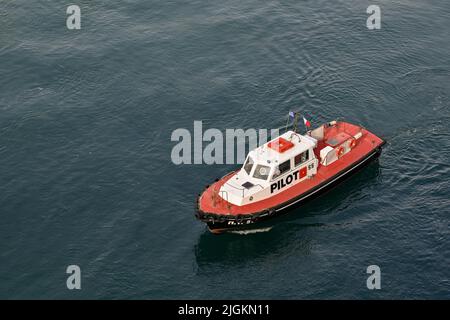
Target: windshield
248	165
261	172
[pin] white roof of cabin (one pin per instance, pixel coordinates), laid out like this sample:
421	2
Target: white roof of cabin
268	156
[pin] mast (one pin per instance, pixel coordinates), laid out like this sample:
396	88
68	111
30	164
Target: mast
295	116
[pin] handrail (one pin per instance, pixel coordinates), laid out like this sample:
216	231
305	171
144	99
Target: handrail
258	186
243	189
226	193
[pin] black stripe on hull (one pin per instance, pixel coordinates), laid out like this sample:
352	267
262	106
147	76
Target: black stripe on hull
249	221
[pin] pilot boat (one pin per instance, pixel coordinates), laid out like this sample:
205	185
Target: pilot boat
284	173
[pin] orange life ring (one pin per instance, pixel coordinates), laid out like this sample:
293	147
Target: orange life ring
353	143
340	151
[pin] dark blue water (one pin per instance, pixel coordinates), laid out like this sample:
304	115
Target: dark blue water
86	118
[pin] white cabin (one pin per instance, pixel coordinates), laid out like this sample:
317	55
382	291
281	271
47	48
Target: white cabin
271	168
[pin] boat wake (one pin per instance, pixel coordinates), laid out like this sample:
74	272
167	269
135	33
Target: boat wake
251	231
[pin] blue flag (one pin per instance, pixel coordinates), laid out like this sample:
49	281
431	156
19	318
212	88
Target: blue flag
291	114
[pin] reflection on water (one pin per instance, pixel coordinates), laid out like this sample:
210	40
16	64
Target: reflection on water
234	249
284	234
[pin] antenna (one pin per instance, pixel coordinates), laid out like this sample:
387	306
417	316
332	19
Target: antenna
295	116
295	125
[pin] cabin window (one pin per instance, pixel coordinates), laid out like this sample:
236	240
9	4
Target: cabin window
261	172
281	169
301	158
248	165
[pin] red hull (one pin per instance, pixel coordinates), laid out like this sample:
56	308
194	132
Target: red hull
209	203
